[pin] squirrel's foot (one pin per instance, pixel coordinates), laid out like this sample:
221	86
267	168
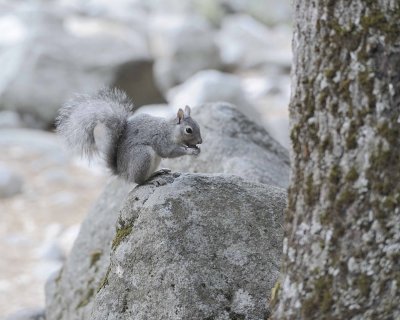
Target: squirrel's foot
155	178
158	182
160	172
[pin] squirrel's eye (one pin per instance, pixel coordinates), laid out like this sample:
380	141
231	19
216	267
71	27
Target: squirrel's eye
189	130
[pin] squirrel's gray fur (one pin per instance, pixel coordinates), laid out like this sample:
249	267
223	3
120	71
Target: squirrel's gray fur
135	143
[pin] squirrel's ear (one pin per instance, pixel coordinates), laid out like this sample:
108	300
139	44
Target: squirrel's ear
180	115
187	111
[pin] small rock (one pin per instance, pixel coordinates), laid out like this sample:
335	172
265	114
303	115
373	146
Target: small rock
10	182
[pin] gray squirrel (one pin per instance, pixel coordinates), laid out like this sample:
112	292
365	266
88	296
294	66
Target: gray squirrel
135	144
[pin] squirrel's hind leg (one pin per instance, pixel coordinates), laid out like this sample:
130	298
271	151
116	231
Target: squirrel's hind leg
142	164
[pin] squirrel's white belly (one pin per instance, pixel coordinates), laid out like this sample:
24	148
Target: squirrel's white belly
155	162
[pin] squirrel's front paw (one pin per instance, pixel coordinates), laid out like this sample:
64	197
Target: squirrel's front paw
193	151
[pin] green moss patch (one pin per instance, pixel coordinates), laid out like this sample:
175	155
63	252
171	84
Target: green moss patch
94	257
121	234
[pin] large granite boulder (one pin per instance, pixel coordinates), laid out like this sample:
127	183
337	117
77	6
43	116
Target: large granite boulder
198	247
234	144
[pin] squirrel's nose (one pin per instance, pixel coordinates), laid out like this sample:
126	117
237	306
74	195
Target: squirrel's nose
200	141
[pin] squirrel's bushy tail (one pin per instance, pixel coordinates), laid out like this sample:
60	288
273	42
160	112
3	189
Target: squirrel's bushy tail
79	117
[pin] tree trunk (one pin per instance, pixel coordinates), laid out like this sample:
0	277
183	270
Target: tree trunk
342	243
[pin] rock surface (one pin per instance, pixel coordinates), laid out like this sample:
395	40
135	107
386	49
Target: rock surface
182	46
66	292
211	86
244	42
201	246
233	144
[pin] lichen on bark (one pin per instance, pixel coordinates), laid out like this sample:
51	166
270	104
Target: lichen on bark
342	243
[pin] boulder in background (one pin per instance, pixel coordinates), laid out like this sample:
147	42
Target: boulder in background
181	45
58	54
212	86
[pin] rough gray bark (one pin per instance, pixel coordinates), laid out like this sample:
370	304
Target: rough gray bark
342	242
